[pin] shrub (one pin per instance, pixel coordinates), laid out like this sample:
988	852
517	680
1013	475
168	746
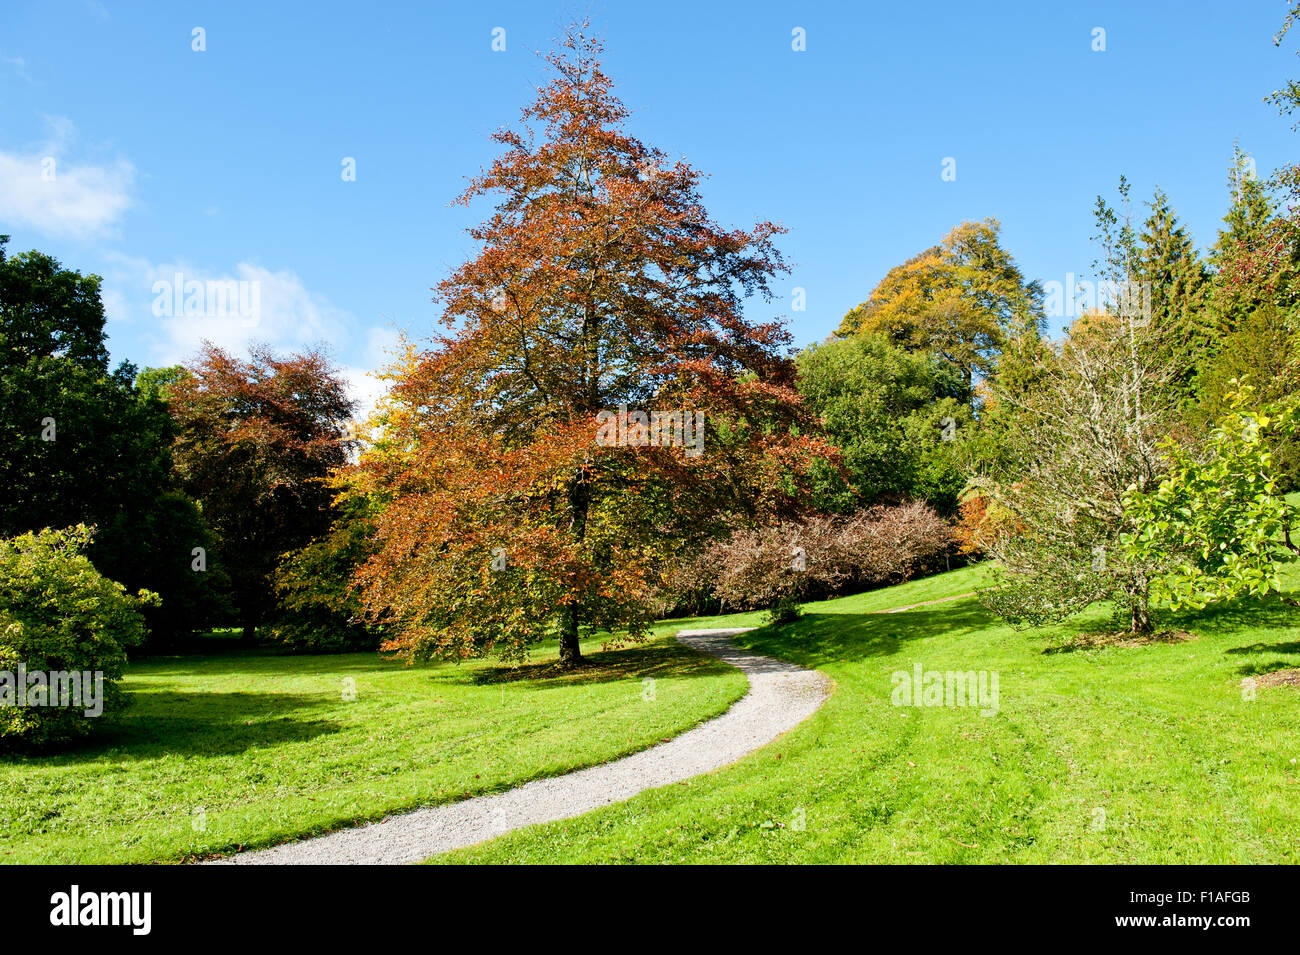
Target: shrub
979	522
777	566
59	614
317	610
1219	518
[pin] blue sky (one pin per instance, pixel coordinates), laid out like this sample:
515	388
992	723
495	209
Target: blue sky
226	163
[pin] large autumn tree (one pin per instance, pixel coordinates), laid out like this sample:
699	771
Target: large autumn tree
601	283
256	440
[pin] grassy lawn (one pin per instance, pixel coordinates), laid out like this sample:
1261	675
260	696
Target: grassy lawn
248	749
1156	737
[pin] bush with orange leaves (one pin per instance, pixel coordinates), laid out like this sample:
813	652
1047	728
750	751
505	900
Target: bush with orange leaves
979	522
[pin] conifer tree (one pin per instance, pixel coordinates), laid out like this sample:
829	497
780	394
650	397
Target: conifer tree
1174	277
1254	258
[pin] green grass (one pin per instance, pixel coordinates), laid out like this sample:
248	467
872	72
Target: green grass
249	749
1157	737
236	749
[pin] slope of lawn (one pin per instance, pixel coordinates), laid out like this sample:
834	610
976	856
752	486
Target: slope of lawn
1138	754
249	749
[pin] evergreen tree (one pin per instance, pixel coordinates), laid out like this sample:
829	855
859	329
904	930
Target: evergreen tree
1253	259
80	444
1173	281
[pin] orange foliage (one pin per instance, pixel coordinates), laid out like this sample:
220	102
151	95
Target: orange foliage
601	282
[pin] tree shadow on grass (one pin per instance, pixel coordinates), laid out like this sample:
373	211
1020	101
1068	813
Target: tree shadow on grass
160	723
1230	617
1259	669
255	664
1291	647
818	638
656	660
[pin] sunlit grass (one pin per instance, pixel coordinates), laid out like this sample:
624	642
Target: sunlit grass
249	749
1147	754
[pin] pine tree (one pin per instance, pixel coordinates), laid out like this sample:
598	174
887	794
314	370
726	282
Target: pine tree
1253	257
1249	215
1173	275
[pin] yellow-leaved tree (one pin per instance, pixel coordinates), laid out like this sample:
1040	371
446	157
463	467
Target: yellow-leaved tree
961	300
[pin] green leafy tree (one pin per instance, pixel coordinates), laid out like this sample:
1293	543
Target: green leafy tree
48	312
165	545
897	416
81	444
1262	351
316	608
1219	513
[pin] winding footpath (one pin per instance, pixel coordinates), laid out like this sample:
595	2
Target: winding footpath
781	696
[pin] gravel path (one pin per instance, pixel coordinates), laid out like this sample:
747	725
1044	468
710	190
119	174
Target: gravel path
781	696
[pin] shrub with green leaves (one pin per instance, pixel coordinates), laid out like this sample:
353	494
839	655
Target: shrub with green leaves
317	609
59	614
1219	513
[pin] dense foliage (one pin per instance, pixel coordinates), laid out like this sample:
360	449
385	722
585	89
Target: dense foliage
316	607
1219	513
81	444
255	441
897	416
59	615
516	506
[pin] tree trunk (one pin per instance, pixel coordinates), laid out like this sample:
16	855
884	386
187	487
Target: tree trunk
579	503
247	606
1140	617
570	651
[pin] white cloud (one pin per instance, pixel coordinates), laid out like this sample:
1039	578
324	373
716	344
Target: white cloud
20	66
232	309
43	189
363	386
183	306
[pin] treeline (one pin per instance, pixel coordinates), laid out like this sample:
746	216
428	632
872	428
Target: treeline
194	480
225	486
